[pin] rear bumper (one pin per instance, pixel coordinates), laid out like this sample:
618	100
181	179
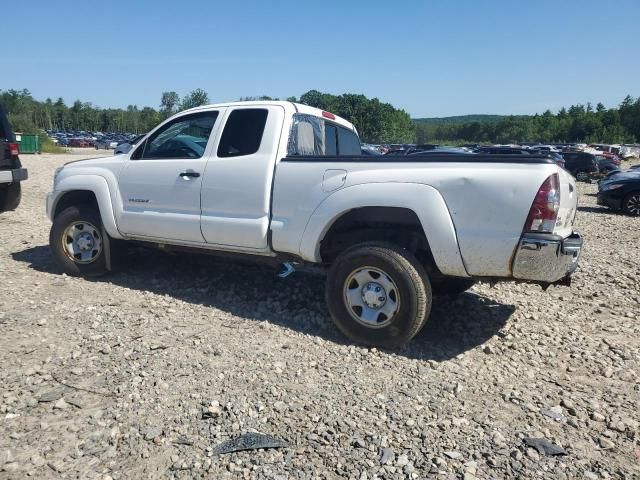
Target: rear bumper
546	258
15	175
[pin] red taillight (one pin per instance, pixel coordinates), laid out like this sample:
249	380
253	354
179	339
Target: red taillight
328	115
14	149
544	210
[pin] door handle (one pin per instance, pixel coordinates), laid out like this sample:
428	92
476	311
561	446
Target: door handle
189	174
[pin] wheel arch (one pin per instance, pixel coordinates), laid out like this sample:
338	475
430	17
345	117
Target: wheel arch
420	209
86	189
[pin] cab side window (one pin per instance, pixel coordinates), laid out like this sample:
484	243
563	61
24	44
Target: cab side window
185	137
313	136
348	142
243	132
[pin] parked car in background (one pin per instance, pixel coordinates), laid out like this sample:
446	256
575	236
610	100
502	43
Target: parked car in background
629	151
614	149
11	171
370	151
546	148
607	165
441	150
583	166
621	191
81	142
556	156
498	150
105	143
125	147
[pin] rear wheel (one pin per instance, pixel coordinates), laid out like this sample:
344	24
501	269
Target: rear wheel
631	204
77	241
378	294
10	195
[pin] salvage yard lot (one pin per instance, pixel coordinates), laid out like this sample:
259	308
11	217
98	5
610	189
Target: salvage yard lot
109	377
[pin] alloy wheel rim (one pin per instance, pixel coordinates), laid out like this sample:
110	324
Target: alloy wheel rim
371	297
81	242
633	204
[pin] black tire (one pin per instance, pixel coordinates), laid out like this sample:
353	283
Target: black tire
410	279
631	204
80	213
10	195
451	286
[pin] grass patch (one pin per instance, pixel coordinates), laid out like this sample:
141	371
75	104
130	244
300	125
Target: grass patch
47	146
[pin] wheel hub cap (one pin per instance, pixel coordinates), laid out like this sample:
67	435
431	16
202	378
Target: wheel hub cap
374	295
85	241
81	242
371	297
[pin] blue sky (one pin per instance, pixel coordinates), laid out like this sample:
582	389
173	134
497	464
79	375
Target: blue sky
429	58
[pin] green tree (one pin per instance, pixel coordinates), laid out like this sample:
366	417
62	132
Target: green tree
195	98
169	104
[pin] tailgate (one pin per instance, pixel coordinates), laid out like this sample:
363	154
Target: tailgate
568	204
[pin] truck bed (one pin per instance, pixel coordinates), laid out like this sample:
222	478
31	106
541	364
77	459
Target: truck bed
428	158
486	199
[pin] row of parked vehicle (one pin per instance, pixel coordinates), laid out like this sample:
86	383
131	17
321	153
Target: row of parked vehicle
617	188
585	162
84	139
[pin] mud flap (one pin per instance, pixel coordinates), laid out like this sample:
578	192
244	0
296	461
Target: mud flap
106	244
115	252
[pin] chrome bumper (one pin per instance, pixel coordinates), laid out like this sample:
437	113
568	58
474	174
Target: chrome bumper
543	257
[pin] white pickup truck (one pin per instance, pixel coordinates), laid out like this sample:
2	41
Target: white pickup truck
287	182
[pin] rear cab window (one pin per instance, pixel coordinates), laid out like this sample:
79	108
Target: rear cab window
243	132
315	136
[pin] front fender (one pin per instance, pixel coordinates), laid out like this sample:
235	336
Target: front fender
93	183
424	200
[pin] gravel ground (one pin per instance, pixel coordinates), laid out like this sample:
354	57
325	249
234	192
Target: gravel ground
142	373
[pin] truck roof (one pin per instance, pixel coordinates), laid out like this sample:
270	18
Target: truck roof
291	107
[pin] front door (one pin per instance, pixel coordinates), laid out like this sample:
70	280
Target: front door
160	184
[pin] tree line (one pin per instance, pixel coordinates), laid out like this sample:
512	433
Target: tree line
377	122
579	123
28	115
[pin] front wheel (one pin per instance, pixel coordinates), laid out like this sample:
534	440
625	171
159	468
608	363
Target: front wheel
378	294
77	241
631	204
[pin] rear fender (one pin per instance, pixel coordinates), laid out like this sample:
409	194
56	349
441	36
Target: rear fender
424	200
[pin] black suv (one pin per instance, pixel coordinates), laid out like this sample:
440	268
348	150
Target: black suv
11	171
582	165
